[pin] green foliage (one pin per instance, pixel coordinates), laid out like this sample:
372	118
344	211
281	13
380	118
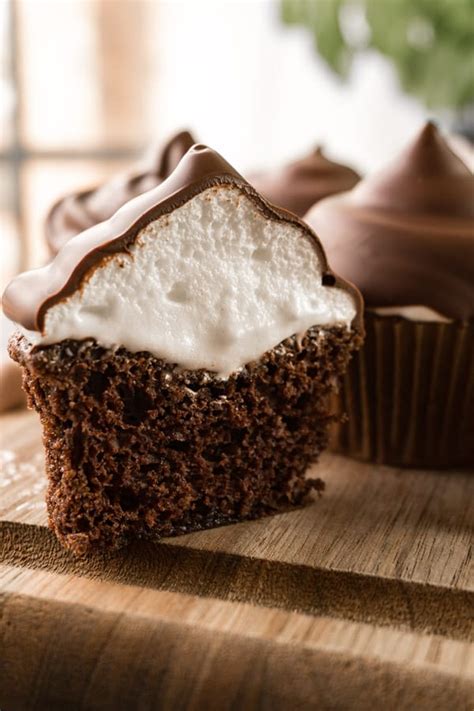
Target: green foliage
430	41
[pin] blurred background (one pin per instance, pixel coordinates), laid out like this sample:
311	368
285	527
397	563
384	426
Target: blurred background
85	85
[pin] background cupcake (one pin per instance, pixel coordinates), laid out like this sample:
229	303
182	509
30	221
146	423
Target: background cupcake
405	237
299	185
77	212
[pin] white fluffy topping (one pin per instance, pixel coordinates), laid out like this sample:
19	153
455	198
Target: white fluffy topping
214	284
411	313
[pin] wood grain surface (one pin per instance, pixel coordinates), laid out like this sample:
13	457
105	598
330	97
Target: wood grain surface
362	598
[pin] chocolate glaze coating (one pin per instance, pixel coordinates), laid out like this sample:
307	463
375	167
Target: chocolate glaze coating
79	211
299	185
28	297
405	236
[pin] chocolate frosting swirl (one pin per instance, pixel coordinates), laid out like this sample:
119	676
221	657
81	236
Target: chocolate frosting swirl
405	236
79	211
28	297
301	184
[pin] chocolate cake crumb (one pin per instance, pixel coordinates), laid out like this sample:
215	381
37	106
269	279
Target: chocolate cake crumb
139	448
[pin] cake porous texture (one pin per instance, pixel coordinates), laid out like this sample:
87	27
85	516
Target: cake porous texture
138	448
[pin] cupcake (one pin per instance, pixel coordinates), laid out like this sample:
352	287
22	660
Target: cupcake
405	237
181	356
301	184
79	211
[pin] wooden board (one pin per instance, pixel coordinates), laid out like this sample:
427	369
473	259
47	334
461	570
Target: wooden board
362	598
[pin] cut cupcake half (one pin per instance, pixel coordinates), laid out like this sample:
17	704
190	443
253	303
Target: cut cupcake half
181	355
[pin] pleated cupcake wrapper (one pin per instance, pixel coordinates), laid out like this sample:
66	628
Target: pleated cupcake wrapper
409	395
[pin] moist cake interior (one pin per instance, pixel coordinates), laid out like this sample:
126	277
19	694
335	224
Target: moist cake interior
136	447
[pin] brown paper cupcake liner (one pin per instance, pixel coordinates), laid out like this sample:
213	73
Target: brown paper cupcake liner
408	395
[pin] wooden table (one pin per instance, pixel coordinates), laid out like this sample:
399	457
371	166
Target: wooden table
362	599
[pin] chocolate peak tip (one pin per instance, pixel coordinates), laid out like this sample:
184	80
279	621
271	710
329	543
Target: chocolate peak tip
426	139
298	185
430	128
430	154
173	152
197	164
426	178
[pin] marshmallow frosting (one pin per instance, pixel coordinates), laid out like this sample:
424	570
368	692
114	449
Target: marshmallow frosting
199	271
405	236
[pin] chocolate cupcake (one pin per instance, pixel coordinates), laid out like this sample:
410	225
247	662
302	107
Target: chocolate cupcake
181	356
405	237
79	211
299	185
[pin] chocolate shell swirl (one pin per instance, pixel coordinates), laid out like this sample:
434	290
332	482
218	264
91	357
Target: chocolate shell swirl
79	211
299	185
405	236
